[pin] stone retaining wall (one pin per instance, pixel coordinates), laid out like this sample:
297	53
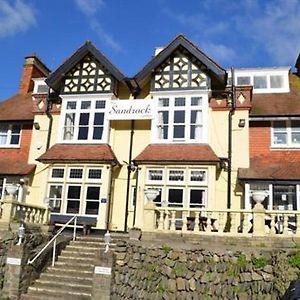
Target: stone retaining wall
165	272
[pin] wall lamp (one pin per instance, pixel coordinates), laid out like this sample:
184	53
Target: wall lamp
242	123
36	125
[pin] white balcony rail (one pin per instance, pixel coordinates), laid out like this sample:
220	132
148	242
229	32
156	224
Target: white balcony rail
53	240
227	221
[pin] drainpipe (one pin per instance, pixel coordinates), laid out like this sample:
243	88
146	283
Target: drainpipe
135	89
230	115
49	115
109	196
136	193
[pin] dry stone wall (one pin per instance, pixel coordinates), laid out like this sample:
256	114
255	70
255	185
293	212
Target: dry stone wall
164	272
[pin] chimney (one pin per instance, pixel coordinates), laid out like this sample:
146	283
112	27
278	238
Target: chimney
33	68
297	65
158	50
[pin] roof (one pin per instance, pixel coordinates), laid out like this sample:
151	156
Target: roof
15	167
18	107
281	104
55	77
79	152
272	168
213	69
177	153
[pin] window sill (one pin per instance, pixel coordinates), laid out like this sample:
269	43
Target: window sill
10	146
285	148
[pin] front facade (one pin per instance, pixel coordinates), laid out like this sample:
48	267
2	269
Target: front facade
177	127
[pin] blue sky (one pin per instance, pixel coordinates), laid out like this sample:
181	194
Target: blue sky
247	33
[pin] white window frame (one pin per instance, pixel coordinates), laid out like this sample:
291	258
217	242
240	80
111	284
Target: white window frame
57	179
94	179
9	135
199	188
87	185
203	108
78	99
288	131
176	182
158	182
198	183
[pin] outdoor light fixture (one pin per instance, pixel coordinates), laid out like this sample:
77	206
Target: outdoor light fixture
242	123
36	125
107	240
21	234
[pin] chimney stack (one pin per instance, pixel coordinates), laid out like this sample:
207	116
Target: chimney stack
33	68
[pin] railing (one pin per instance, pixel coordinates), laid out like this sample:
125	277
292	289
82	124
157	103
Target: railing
14	211
53	240
257	221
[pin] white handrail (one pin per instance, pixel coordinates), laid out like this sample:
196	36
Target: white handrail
54	240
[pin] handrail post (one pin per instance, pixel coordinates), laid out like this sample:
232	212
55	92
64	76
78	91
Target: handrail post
54	253
74	232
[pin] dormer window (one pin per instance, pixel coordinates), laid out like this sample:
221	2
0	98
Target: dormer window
40	86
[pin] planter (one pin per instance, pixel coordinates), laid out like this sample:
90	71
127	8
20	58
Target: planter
259	196
11	189
135	234
151	194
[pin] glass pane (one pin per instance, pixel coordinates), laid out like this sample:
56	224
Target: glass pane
76	173
55	205
196	132
179	131
73	207
280	138
83	133
84	119
57	173
99	119
295	125
284	197
100	104
155	175
197	175
14	139
74	192
69	126
180	101
176	175
85	104
196	117
55	191
94	173
163	117
260	82
196	198
295	138
243	80
3	139
71	105
276	81
92	208
179	116
175	197
163	102
16	129
93	193
196	101
97	134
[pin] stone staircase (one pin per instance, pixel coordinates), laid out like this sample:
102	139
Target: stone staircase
72	275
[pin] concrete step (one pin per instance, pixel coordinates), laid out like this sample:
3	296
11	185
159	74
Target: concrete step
75	277
70	271
69	288
54	295
77	260
79	267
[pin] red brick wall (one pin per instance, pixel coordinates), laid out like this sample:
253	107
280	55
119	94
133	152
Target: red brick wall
22	152
260	144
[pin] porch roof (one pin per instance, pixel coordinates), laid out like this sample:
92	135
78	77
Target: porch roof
79	152
15	167
265	169
177	153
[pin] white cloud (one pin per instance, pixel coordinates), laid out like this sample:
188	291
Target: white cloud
219	52
15	17
90	8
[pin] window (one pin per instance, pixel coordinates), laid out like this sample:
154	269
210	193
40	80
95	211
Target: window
286	133
83	120
243	80
9	135
75	189
184	187
260	82
276	81
179	119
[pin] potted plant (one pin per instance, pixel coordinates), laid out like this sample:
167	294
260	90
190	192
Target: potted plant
135	233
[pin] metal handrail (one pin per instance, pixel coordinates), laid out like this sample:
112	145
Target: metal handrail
53	240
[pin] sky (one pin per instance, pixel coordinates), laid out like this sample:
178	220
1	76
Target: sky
234	33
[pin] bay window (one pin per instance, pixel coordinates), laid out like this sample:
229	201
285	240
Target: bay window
178	187
180	118
286	133
10	135
83	120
